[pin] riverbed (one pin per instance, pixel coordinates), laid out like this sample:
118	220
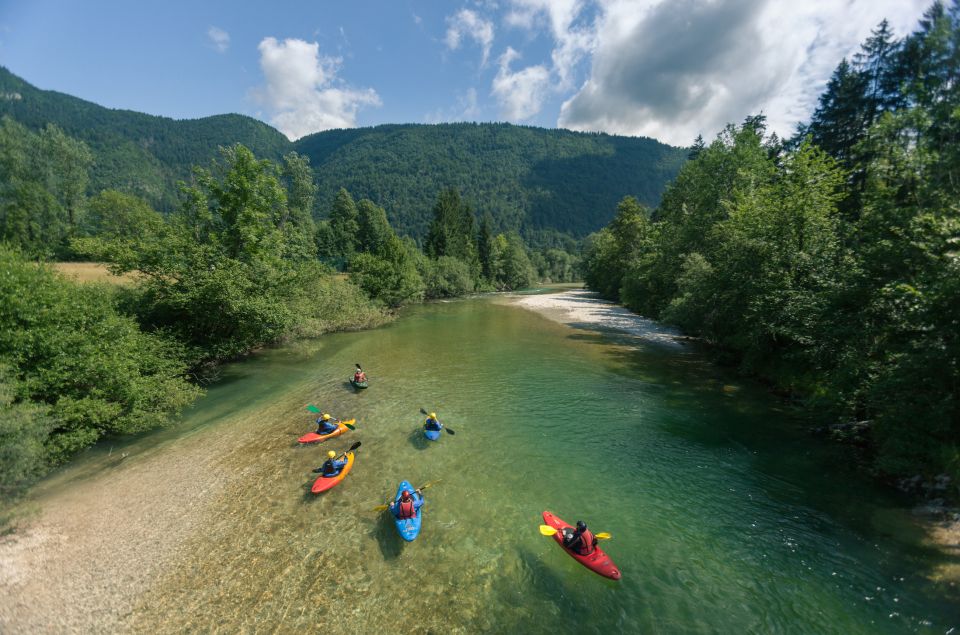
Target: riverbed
725	515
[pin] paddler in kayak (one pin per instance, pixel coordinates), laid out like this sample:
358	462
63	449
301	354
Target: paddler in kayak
580	540
408	504
359	376
432	423
333	465
326	424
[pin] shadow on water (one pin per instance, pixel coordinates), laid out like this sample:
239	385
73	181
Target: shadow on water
385	532
542	577
417	440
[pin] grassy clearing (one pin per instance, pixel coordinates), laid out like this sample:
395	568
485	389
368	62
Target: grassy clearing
92	272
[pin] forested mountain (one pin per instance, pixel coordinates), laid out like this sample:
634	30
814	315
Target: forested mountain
527	179
133	152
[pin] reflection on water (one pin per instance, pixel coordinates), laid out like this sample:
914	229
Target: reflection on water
722	515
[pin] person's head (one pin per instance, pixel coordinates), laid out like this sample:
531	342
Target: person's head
581	526
433	415
326	417
331	454
405	495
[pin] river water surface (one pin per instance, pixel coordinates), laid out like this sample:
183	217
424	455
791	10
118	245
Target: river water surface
724	515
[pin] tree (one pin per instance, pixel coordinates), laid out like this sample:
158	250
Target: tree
344	229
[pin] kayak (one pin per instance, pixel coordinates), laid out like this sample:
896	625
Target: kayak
409	528
324	483
598	561
313	437
359	385
433	435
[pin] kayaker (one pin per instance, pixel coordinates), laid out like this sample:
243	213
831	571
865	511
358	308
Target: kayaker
359	377
326	424
432	423
408	504
581	540
333	465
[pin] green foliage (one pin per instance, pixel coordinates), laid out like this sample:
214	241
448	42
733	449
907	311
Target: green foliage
43	181
527	179
338	240
390	276
24	427
69	349
447	277
322	303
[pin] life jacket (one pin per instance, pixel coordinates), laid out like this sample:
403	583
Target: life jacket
432	424
407	509
358	377
329	469
586	543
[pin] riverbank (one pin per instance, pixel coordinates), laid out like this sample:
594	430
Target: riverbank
581	308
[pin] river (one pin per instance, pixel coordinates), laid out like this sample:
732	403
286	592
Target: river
725	515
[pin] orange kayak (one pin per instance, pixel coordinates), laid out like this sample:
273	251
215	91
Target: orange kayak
324	483
313	437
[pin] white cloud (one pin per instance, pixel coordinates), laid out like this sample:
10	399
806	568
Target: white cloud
675	69
302	90
521	94
572	41
219	38
467	23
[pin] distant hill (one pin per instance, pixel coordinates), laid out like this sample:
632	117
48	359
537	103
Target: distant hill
529	179
137	153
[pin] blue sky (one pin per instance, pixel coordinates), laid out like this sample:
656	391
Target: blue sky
669	69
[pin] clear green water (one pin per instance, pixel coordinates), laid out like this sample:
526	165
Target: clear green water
725	516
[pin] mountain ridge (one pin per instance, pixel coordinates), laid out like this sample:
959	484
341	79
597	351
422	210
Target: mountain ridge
528	179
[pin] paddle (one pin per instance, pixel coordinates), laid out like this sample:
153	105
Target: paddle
316	410
350	449
444	427
380	508
547	530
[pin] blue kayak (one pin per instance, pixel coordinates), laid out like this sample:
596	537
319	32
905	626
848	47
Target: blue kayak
409	528
433	435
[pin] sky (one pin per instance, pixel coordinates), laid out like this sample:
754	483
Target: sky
667	69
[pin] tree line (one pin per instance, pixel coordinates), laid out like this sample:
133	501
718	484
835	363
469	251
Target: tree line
829	263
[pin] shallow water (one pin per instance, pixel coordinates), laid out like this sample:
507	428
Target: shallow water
723	515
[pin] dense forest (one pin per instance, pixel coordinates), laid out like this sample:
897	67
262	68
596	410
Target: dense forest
827	264
528	179
539	183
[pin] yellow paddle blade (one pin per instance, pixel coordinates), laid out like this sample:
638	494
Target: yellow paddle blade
603	536
380	508
426	485
547	530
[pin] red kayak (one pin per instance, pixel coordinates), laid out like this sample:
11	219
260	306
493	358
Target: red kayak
313	437
598	561
324	483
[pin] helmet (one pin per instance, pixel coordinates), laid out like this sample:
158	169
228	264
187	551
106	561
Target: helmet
326	417
581	526
405	494
331	454
433	415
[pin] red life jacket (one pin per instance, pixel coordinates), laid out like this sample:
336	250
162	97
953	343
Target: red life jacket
585	548
407	510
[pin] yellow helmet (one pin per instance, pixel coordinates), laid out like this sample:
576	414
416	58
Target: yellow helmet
433	415
326	417
331	454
